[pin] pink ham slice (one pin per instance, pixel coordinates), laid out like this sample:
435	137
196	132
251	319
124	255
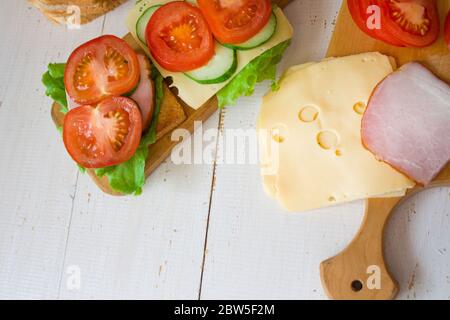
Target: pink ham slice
143	95
407	122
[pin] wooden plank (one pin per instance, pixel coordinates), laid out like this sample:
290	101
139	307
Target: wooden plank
38	179
417	247
146	247
163	147
339	272
366	249
255	250
149	246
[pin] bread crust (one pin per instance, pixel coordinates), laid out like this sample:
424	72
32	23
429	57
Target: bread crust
60	11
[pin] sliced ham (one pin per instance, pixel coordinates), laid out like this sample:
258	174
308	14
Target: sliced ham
143	95
407	122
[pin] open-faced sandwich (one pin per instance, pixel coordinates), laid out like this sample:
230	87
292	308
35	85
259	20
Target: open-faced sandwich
235	45
113	105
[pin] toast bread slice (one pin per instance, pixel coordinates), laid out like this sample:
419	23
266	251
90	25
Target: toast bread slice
62	11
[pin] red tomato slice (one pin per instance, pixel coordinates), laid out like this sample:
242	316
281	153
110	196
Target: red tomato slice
100	68
411	23
235	21
179	37
415	23
361	13
103	136
447	30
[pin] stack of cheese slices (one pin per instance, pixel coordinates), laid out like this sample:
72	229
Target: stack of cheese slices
313	154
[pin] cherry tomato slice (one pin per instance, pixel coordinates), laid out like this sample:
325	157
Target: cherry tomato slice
105	135
100	68
234	21
179	37
447	30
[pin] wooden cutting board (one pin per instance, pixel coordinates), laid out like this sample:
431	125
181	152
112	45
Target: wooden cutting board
345	275
159	151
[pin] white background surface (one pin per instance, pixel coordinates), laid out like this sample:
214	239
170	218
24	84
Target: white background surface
197	231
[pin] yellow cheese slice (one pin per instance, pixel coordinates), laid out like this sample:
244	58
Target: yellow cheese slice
310	142
191	92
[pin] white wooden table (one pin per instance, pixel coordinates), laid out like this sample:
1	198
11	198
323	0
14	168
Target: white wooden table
197	231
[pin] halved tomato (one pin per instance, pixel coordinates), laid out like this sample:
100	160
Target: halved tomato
411	23
105	135
100	68
447	30
234	21
179	37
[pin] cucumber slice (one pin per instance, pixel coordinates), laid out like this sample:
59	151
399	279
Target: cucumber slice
220	68
141	24
260	38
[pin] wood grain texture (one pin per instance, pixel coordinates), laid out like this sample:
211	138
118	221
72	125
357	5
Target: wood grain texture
159	151
339	272
349	39
38	181
366	249
146	247
255	249
152	246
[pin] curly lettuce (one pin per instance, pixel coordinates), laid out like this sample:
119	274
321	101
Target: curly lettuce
264	67
128	177
53	81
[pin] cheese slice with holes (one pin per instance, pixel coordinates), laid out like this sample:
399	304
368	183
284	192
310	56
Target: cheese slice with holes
310	141
191	92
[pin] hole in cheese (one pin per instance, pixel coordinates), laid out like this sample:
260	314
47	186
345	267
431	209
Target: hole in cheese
359	107
308	114
278	138
278	133
327	140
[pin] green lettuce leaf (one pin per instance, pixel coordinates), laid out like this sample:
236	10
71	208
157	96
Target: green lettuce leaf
259	69
53	81
129	177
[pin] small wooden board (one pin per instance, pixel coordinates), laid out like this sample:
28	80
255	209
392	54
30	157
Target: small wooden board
348	39
159	151
345	275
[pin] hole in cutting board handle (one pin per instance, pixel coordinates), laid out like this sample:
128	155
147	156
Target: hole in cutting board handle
357	285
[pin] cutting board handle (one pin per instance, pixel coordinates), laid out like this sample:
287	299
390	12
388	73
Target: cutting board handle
359	272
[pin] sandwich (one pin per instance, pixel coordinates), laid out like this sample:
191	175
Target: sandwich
117	100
